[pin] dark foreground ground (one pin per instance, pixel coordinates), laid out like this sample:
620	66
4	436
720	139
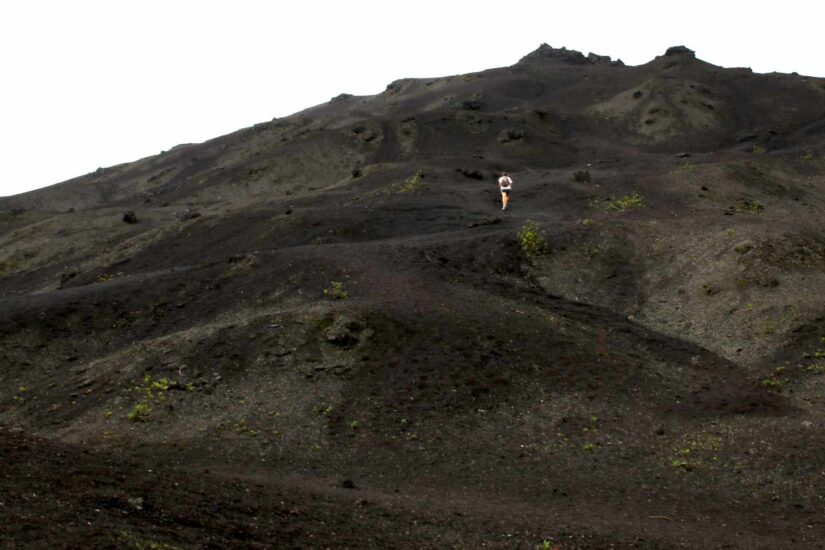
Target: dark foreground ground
60	496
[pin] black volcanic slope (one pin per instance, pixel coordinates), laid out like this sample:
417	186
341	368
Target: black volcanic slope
323	332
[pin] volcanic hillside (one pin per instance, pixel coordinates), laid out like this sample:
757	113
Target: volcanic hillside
323	332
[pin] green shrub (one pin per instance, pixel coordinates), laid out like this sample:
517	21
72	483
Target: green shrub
21	397
412	183
532	244
684	462
336	291
139	413
775	381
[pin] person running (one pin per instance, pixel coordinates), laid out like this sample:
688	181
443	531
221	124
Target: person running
505	184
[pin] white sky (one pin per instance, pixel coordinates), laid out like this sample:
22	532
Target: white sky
89	83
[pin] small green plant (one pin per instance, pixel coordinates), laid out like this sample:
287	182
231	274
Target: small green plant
750	206
592	249
412	183
546	545
587	222
680	463
156	389
20	398
683	463
532	244
775	380
687	167
336	291
758	149
242	429
354	425
161	385
109	276
807	156
139	413
588	447
151	391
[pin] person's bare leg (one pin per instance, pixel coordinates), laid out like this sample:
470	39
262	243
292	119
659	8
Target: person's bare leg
505	200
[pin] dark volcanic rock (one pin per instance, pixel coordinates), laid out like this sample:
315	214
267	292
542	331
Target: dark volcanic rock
130	217
679	50
471	104
546	52
188	214
510	134
472	174
604	60
570	57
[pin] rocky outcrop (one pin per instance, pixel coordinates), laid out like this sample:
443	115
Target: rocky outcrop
597	59
546	53
679	50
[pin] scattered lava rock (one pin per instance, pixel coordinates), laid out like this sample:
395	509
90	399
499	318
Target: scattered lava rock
188	214
510	134
130	217
472	174
582	176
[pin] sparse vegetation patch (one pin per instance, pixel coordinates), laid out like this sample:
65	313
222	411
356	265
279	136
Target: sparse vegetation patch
531	242
750	206
617	204
686	167
409	185
775	380
336	291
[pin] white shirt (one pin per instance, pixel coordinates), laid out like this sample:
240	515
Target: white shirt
505	182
